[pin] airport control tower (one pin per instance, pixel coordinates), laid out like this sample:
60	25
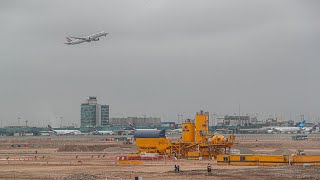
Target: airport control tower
94	114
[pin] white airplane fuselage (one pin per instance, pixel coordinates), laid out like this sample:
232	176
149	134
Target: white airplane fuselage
93	37
288	129
66	132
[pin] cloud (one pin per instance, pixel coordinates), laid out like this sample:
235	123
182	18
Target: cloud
161	57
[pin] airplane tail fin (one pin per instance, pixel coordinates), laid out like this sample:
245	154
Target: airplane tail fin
301	125
68	39
313	128
50	128
132	127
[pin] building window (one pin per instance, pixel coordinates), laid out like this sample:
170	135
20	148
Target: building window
242	158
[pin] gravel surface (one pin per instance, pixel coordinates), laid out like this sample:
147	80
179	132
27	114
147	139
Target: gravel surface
281	172
81	176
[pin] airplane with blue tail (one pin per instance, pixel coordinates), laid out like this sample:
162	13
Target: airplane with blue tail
298	128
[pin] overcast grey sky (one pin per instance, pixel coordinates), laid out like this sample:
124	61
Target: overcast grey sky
161	58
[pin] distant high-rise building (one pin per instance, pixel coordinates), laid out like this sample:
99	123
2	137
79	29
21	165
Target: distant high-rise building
94	114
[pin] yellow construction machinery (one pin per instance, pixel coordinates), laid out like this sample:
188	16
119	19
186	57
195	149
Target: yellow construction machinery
196	141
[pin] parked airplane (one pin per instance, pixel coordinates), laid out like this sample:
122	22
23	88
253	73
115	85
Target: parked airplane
309	129
299	128
93	37
134	129
96	132
64	132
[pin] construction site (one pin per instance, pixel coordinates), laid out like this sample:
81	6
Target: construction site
151	154
196	141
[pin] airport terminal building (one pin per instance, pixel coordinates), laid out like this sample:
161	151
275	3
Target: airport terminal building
136	121
94	114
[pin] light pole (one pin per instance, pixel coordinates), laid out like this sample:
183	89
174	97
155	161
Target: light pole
60	121
19	118
18	121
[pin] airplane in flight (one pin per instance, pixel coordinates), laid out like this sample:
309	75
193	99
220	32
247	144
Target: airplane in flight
92	37
134	129
63	132
96	132
73	42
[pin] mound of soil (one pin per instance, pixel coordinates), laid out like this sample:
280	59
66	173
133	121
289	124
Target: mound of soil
282	151
246	151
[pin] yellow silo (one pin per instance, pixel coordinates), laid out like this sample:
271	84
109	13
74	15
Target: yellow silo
202	126
188	132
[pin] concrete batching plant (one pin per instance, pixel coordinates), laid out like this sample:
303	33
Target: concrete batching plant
196	140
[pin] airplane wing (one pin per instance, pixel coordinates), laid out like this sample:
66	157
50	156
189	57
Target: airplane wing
81	38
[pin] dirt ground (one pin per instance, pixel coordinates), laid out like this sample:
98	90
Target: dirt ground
92	157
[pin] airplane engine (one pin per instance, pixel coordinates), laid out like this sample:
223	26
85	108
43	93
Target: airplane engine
96	39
